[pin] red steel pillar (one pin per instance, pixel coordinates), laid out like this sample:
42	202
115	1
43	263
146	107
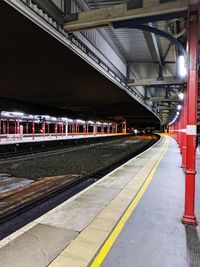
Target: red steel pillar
189	214
48	128
73	126
175	129
102	128
18	129
124	126
108	128
178	131
87	128
94	129
27	127
7	126
15	129
181	131
62	129
84	128
33	129
56	129
184	127
43	129
0	129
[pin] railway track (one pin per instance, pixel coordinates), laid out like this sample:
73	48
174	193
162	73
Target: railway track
30	148
23	213
26	155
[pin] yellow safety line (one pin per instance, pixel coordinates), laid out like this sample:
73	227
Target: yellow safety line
116	231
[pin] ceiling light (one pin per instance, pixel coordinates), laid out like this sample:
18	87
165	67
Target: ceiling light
179	107
181	96
182	71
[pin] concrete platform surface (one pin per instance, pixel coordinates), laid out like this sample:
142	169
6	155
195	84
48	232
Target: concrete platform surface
72	233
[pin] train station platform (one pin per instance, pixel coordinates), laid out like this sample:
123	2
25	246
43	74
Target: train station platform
131	217
39	138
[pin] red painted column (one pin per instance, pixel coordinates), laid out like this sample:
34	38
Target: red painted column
7	126
43	129
56	129
178	131
102	128
108	128
184	127
18	129
48	128
181	131
94	128
77	127
27	127
15	129
189	214
33	129
73	126
0	129
84	128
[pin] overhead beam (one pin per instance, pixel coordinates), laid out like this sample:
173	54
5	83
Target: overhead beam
164	99
165	107
154	81
151	10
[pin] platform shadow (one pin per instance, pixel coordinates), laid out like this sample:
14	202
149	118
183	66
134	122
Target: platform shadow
193	245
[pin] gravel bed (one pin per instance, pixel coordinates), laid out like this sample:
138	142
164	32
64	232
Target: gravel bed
75	162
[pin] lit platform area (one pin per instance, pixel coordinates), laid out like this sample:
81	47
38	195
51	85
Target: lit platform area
131	217
39	138
18	127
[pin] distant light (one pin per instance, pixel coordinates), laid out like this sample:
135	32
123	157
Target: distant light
182	71
181	96
47	117
80	121
5	113
177	113
64	119
18	114
179	107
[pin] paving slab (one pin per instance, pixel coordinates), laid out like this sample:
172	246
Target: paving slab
63	261
75	216
80	250
99	194
36	247
114	181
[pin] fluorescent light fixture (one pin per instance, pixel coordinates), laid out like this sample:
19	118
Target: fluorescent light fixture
18	114
80	121
179	107
181	96
53	118
182	71
5	113
64	119
47	117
